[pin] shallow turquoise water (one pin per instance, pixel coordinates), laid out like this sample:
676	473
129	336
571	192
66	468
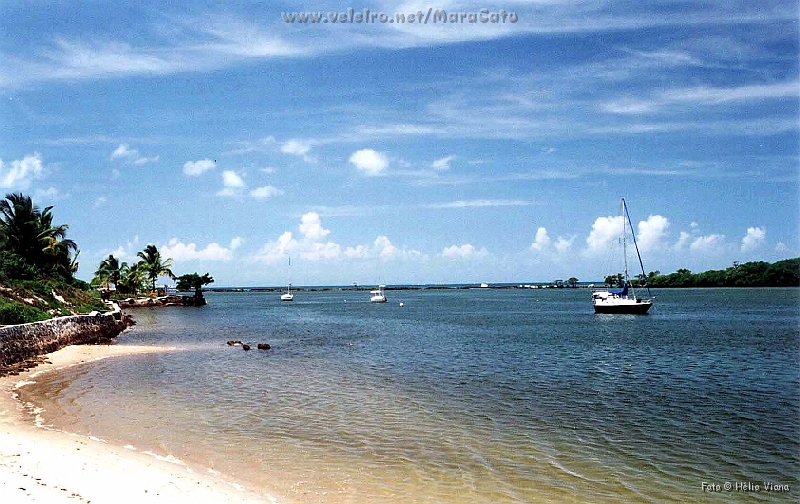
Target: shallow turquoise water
476	396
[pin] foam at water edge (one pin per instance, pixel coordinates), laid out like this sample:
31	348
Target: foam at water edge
168	458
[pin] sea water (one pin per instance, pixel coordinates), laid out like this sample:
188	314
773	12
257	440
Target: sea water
468	396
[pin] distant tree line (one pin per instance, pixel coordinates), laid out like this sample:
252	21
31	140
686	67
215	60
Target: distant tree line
784	273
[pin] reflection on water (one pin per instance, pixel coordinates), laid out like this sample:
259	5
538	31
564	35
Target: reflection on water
478	396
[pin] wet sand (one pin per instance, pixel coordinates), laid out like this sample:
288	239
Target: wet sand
40	464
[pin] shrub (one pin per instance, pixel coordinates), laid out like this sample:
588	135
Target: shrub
12	312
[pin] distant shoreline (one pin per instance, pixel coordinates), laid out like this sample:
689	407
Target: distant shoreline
598	285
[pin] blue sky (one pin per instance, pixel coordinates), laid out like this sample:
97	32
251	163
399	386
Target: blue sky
406	152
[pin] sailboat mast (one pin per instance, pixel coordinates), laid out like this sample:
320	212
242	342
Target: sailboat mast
624	240
638	255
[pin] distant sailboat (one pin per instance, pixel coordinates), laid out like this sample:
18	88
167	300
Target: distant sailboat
377	296
624	300
288	296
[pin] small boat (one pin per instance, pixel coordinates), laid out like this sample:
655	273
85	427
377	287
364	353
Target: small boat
288	296
377	296
624	300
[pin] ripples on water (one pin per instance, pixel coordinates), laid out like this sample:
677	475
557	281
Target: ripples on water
476	396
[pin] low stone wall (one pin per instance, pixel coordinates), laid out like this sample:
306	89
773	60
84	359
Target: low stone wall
19	343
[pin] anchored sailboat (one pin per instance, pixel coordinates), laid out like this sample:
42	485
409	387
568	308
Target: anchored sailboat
288	296
624	300
377	296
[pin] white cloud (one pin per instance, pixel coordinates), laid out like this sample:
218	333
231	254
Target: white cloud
369	161
541	241
145	160
652	232
124	152
318	250
564	244
180	251
481	203
100	201
604	231
443	163
120	253
311	227
781	248
753	239
607	230
384	247
232	179
193	168
465	251
265	192
298	148
683	240
126	251
233	184
277	250
236	242
21	172
357	252
707	244
51	193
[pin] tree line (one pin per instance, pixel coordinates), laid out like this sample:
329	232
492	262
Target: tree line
141	276
784	273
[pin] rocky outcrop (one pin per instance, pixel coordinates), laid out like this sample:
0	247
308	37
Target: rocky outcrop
24	342
163	301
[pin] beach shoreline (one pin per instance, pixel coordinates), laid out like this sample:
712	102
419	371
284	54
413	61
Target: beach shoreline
41	464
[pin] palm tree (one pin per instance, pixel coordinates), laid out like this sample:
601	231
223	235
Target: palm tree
56	247
154	265
131	278
109	271
30	234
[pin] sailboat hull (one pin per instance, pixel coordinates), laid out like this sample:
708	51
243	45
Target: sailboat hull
629	308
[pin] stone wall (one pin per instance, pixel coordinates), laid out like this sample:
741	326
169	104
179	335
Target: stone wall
19	343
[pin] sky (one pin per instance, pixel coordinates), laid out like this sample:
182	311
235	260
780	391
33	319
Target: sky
492	146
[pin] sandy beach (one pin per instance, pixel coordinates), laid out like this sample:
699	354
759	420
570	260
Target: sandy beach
39	464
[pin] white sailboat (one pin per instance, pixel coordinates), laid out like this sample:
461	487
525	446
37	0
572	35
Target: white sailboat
288	296
377	296
624	300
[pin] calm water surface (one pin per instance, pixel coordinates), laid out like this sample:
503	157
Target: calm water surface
469	396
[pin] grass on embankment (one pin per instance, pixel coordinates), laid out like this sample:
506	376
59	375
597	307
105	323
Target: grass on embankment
23	301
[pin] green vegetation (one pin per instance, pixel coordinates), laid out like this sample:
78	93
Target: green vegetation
193	281
196	282
784	273
153	265
37	266
130	280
